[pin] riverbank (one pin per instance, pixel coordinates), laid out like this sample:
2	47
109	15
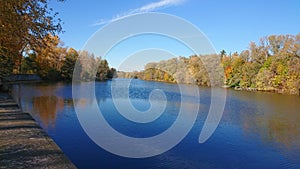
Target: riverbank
268	90
249	89
23	143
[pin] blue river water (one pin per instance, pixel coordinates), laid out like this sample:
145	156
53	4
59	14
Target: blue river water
258	130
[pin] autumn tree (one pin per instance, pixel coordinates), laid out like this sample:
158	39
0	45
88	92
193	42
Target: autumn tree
102	70
69	64
88	64
50	58
272	64
24	24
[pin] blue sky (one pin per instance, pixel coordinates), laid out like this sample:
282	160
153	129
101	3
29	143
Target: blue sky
229	24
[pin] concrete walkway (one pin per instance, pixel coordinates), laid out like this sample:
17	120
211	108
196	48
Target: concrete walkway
23	143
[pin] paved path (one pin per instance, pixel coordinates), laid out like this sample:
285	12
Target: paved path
23	143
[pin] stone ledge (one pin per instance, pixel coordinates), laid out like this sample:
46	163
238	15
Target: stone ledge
24	144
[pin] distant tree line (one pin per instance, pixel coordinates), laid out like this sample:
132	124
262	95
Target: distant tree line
271	65
181	70
56	63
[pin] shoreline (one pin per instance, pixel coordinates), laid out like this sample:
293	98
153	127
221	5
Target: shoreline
23	143
249	89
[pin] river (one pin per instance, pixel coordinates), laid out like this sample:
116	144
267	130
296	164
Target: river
257	130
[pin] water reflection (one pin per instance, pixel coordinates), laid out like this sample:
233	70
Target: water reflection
276	118
45	102
257	130
47	107
282	127
69	102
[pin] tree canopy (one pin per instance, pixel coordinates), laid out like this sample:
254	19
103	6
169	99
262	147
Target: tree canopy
25	25
271	65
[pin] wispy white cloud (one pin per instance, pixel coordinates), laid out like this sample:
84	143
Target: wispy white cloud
154	6
158	5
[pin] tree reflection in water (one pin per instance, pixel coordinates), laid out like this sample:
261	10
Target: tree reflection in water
47	107
276	118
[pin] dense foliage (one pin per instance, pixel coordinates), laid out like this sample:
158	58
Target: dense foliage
29	44
272	65
57	63
183	70
24	25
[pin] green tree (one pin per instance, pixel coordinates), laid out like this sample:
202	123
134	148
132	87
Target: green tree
6	65
29	64
112	73
103	70
222	53
69	64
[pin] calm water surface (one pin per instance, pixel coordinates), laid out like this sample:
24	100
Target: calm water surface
257	130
